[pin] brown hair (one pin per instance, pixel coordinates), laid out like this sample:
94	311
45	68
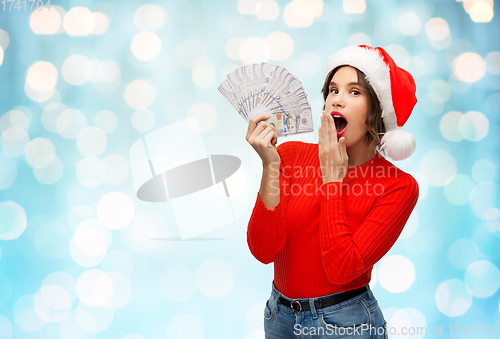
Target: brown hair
374	122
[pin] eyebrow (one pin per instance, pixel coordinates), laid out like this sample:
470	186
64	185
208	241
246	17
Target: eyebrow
349	84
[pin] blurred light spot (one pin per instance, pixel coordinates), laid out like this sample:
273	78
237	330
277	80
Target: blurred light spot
53	303
484	198
52	173
483	278
396	273
359	39
417	67
203	76
90	242
453	297
469	67
91	171
438	166
146	46
185	326
45	21
91	141
1	56
483	170
4	39
8	171
122	290
119	261
481	11
40	152
77	70
205	115
42	76
52	239
71	122
106	121
117	169
437	29
474	126
139	94
94	319
13	141
493	62
354	6
458	190
254	50
267	10
177	284
6	288
143	120
411	226
115	210
247	7
232	48
280	46
101	23
310	63
25	315
64	280
300	13
6	327
399	54
409	24
71	329
214	278
94	288
463	252
188	51
439	91
406	320
78	21
150	17
449	126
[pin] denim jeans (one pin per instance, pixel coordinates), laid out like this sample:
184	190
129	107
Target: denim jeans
358	317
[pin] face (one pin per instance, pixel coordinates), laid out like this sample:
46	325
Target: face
347	98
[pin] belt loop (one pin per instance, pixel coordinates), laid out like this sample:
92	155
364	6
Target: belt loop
313	309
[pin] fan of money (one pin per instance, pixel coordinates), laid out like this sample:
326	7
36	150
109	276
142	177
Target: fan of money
265	88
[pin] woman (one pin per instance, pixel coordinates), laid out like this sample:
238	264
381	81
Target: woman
327	212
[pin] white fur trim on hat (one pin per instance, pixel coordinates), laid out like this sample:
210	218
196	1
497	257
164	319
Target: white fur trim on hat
397	143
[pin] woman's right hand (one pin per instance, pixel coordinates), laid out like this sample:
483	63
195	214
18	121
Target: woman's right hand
263	138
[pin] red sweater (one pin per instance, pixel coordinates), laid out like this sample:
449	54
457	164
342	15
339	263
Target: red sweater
325	238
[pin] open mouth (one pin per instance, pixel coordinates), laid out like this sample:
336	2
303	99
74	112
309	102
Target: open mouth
340	122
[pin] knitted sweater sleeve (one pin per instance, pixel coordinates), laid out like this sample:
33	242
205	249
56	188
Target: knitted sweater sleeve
347	255
266	232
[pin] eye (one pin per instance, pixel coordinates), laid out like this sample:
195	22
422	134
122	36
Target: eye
355	92
334	91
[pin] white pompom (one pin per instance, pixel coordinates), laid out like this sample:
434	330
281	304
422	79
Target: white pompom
398	144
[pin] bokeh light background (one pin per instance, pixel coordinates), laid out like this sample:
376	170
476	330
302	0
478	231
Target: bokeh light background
82	257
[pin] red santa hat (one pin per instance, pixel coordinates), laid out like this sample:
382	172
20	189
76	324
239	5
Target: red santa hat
395	90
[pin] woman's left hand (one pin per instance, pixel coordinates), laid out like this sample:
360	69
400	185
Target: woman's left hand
332	152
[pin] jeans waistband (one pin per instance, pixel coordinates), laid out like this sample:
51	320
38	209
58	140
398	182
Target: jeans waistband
277	294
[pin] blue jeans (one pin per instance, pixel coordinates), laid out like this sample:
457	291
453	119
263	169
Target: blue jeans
358	317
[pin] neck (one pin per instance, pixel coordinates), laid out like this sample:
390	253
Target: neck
360	154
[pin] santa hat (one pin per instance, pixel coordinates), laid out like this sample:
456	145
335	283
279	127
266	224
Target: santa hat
395	90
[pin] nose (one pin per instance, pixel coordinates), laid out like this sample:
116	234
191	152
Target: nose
338	100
